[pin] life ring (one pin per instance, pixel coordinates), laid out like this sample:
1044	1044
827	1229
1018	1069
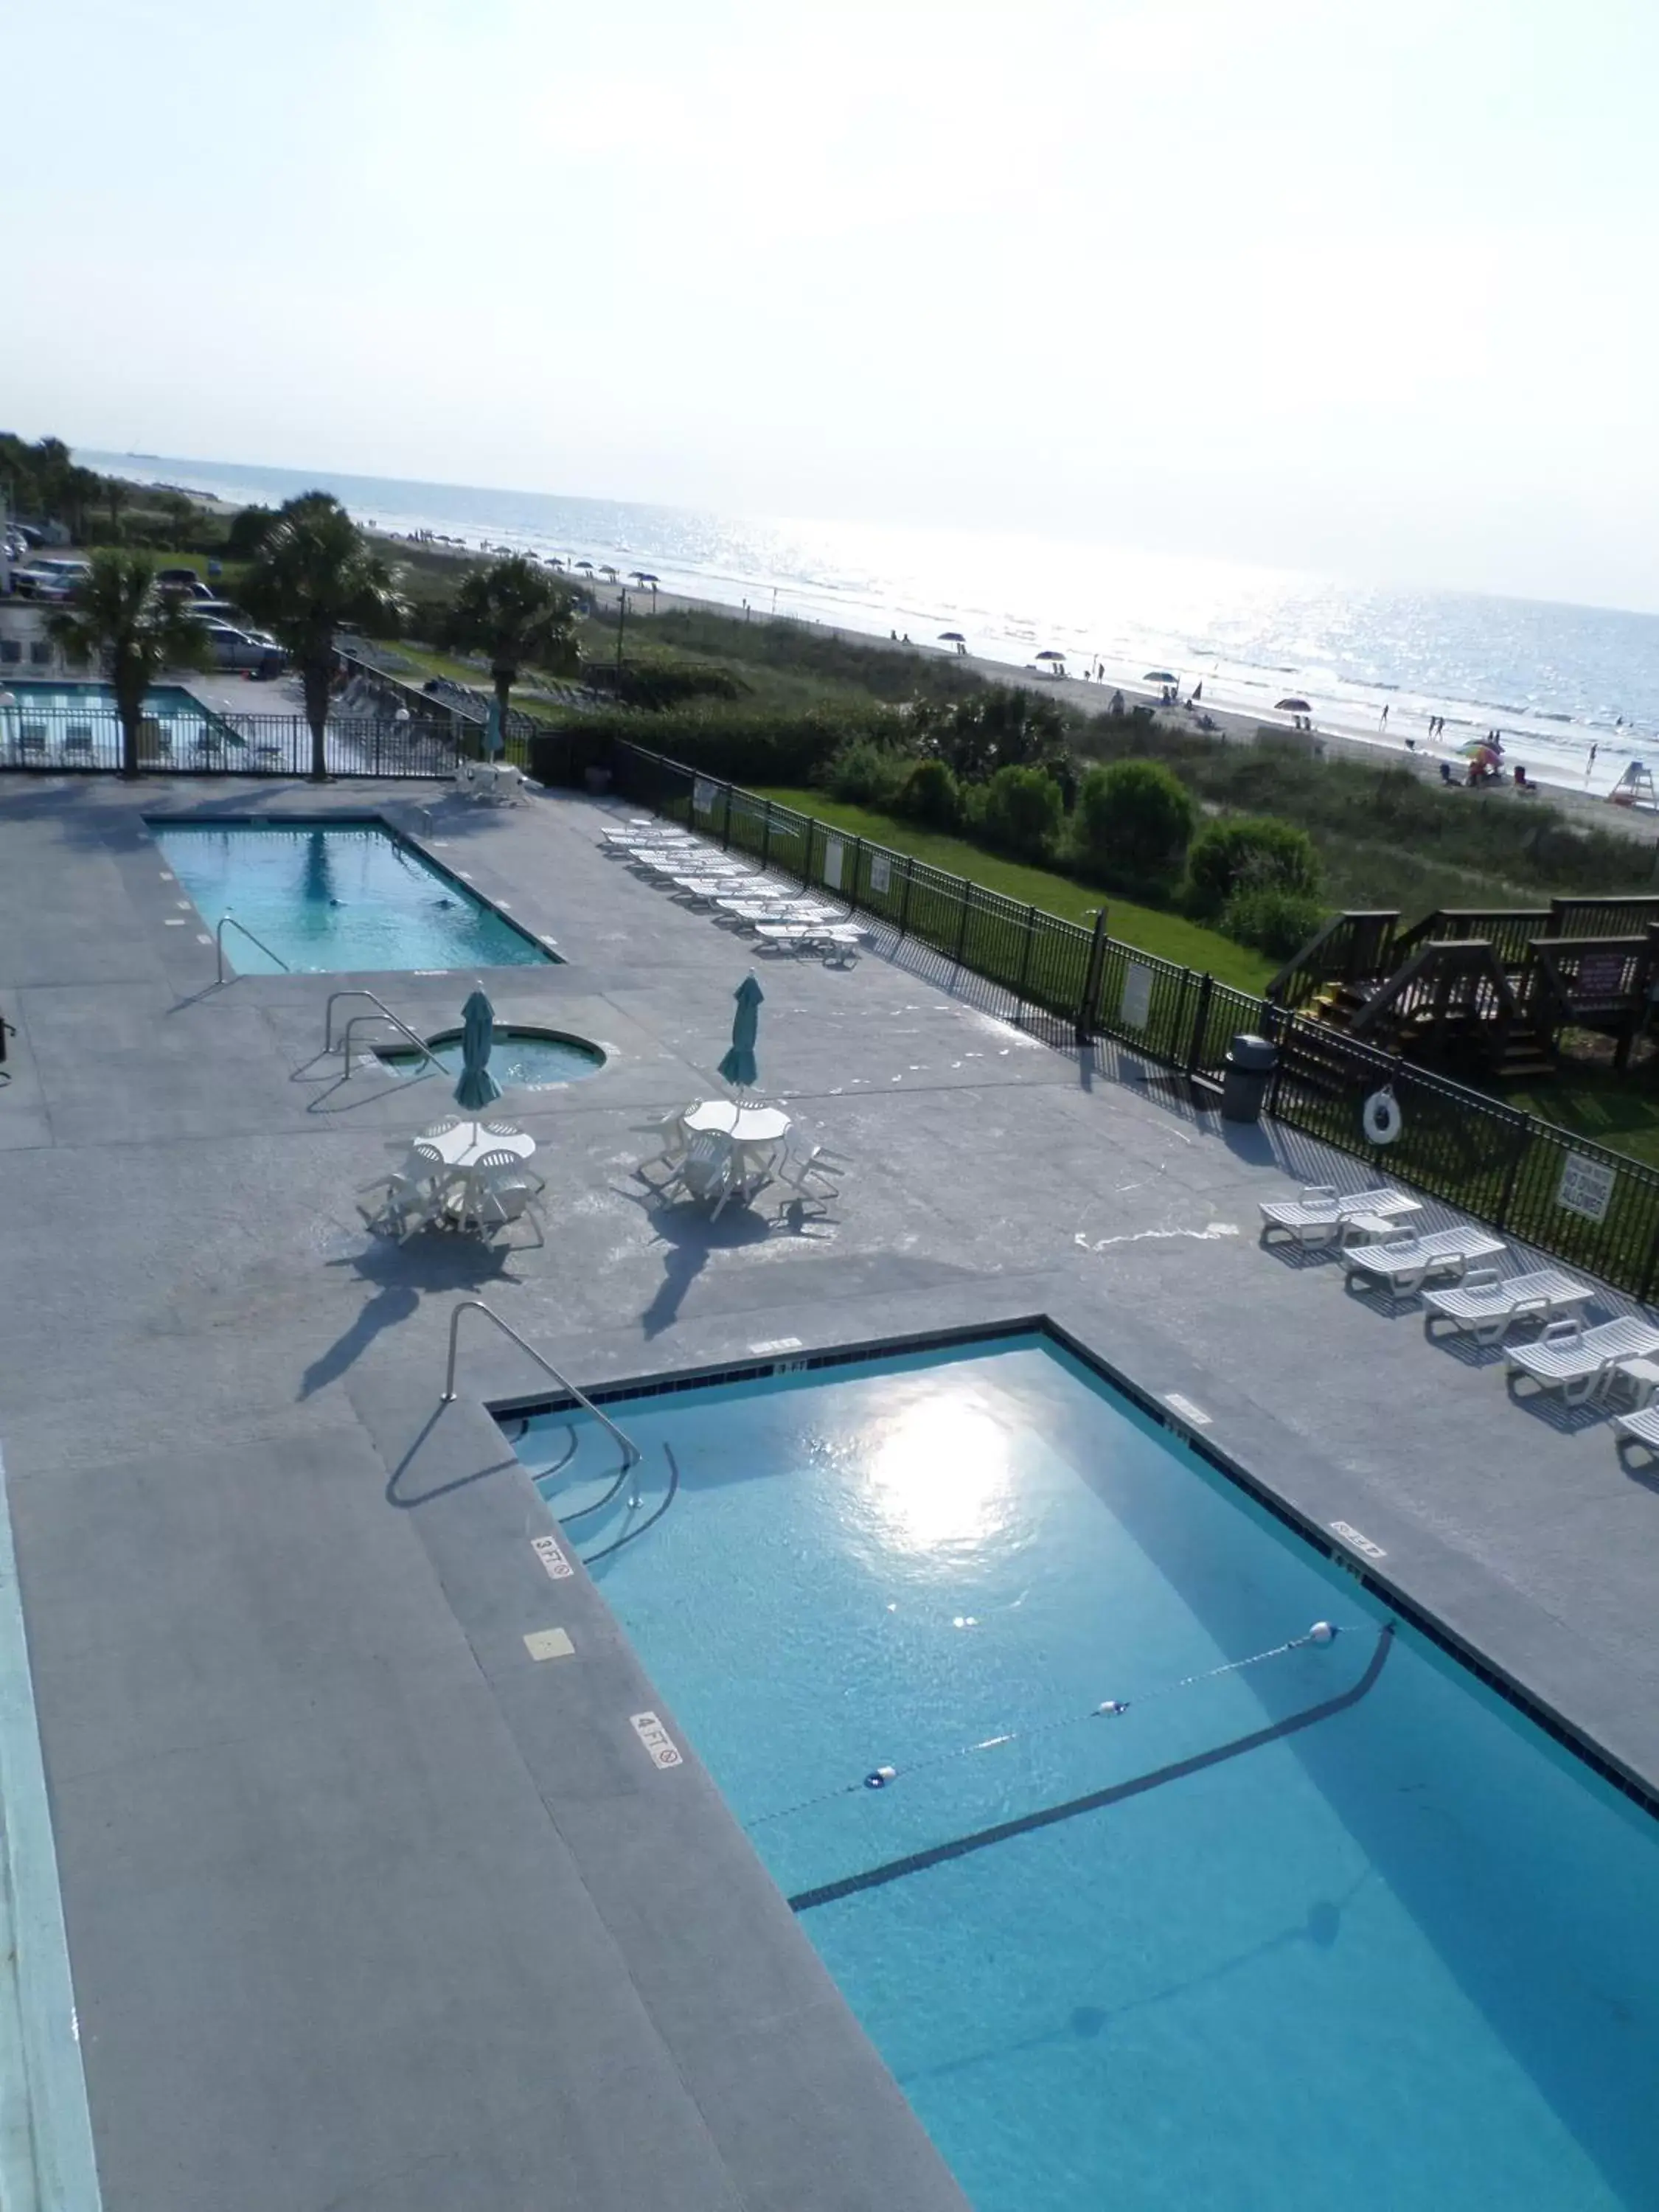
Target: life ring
1382	1117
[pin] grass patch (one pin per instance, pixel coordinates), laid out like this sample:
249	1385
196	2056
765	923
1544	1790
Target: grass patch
1167	935
1619	1111
420	663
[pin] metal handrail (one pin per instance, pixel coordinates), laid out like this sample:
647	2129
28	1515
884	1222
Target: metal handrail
356	991
403	1029
631	1452
219	941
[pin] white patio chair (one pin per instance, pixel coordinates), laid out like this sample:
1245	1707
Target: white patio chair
1403	1264
1486	1305
411	1195
669	1125
1320	1212
1639	1428
708	1172
500	1191
1578	1361
806	1167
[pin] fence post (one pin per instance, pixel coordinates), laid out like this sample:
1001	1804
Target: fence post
904	900
766	834
962	927
852	896
1093	974
726	822
1201	1021
1025	957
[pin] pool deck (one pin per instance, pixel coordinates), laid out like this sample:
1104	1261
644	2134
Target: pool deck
370	1910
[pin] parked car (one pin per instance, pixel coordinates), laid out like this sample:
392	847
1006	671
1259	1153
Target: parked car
235	648
184	580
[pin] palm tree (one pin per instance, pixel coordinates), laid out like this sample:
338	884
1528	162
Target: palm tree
118	619
514	612
311	575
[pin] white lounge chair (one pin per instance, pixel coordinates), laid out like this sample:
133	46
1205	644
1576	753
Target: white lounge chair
1578	1361
828	938
1404	1263
1485	1305
1321	1211
1640	1428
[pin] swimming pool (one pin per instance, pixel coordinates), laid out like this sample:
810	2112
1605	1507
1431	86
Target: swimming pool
77	724
1402	1952
337	897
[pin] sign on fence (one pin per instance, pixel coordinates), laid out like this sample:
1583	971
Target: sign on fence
703	795
881	873
833	849
1600	975
1136	1008
1586	1187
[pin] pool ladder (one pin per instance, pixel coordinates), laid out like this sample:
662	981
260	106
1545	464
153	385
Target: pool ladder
383	1013
227	920
630	1451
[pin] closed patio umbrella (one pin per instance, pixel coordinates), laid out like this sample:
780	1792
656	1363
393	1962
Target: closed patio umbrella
494	743
478	1087
738	1067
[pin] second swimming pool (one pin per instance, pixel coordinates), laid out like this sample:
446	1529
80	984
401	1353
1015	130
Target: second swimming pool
337	897
1397	1951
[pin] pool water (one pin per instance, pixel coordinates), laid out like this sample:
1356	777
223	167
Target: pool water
521	1060
1406	1956
332	898
69	718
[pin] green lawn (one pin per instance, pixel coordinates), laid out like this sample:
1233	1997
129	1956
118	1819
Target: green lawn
422	663
1619	1111
1168	935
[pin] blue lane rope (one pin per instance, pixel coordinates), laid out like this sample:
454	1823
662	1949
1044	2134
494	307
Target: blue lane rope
960	1846
883	1778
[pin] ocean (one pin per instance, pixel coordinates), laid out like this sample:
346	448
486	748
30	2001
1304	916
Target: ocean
1557	680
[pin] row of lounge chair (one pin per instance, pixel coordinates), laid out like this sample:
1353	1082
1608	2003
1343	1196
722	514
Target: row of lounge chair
1581	1363
735	891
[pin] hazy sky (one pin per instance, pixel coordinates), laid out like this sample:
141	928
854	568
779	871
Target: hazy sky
1356	284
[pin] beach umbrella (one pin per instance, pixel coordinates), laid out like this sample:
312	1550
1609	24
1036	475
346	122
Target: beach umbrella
606	569
1165	676
738	1067
493	744
588	565
1048	654
952	637
478	1087
1293	707
1476	746
645	576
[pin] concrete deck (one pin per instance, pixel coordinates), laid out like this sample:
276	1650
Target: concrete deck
366	1909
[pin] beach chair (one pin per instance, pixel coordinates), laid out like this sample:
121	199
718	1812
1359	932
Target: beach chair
1486	1305
500	1191
1578	1361
1320	1212
837	941
1639	1428
670	1125
708	1172
1403	1264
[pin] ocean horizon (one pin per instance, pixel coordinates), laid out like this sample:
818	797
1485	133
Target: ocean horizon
1575	689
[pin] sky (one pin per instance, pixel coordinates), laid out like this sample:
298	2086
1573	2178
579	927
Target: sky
1359	286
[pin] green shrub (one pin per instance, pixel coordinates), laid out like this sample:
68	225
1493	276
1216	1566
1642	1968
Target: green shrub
868	773
1134	822
1275	921
743	746
928	795
1249	853
1024	810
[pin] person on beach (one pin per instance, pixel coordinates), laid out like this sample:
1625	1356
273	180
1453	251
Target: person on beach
1117	703
1590	764
1382	719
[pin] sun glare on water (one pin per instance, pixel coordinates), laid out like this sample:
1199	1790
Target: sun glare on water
941	1478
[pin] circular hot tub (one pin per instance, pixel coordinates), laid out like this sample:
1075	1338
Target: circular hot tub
521	1057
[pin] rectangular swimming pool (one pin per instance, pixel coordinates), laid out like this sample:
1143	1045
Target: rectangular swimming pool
1333	1924
333	897
77	726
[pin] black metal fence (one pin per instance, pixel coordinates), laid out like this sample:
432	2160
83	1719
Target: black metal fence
1596	1209
199	741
